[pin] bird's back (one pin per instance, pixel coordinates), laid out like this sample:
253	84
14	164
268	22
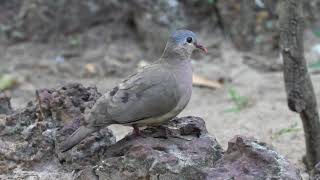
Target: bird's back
152	92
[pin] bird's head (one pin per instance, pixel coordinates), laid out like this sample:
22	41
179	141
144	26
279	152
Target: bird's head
183	42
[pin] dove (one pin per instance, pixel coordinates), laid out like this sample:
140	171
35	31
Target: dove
153	95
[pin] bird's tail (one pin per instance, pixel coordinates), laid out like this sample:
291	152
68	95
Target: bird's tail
76	137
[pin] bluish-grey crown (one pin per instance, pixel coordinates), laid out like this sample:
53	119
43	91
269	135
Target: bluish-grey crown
180	36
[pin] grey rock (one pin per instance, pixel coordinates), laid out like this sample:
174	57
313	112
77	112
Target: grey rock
155	19
238	18
247	158
315	173
172	156
179	150
5	105
34	175
29	136
166	152
42	20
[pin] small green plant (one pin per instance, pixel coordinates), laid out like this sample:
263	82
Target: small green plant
239	101
7	81
291	129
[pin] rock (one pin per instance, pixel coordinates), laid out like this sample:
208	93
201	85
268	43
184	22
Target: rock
34	175
29	137
238	18
247	158
168	152
251	24
155	19
315	173
181	149
42	20
188	152
5	105
68	102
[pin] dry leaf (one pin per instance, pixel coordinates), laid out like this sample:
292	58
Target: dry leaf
90	68
203	82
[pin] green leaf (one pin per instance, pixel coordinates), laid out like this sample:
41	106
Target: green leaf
292	128
239	101
7	81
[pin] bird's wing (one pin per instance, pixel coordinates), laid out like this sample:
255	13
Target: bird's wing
146	94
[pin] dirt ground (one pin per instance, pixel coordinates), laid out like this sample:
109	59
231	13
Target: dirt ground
257	78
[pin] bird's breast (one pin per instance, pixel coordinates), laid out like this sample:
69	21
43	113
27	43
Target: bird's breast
183	80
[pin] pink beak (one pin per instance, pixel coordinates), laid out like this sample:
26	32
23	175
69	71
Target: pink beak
201	47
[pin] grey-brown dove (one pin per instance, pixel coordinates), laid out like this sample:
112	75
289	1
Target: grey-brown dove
153	95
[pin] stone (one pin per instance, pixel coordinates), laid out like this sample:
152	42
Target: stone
178	150
43	20
315	173
155	20
5	105
247	158
166	152
29	136
183	149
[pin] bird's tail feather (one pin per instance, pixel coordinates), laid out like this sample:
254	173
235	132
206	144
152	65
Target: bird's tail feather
76	137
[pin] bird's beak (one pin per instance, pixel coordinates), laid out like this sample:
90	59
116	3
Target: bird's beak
201	47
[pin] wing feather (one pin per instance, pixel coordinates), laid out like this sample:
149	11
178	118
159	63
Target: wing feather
149	93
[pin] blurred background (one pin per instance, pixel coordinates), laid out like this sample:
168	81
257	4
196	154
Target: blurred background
46	44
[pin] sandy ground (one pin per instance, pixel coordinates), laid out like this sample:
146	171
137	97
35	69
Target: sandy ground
36	66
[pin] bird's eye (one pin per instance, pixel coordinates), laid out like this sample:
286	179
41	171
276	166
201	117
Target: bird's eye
189	39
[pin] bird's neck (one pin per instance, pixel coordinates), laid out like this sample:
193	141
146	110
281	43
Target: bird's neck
174	56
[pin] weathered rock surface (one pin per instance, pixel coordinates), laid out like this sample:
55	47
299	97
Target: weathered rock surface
42	20
247	158
5	105
199	157
252	25
182	149
154	20
162	153
315	173
29	137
